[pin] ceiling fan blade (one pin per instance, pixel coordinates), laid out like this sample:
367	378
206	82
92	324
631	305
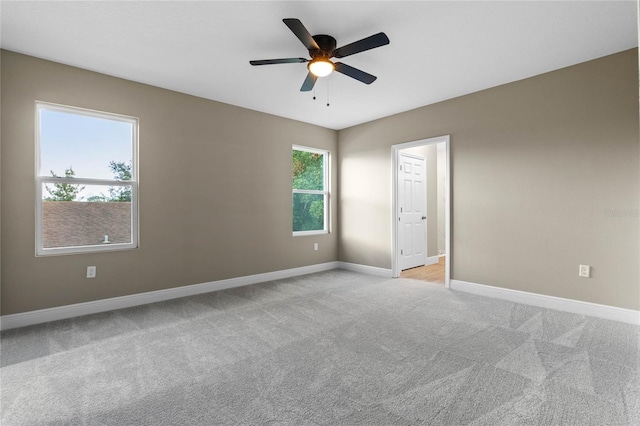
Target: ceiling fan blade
355	73
301	32
309	82
279	61
370	42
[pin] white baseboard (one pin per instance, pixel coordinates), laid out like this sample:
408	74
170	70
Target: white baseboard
629	316
69	311
432	260
365	269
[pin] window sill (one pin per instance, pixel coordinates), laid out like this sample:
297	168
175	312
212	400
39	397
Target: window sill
41	252
304	233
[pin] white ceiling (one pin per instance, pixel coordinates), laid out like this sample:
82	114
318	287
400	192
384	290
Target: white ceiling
438	50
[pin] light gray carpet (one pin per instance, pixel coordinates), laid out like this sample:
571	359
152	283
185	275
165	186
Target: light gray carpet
333	348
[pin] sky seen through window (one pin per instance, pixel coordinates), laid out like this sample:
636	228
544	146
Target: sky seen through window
85	143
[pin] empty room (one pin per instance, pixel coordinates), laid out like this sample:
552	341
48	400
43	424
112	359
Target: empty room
319	213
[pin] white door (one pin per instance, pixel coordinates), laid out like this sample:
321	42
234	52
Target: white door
412	203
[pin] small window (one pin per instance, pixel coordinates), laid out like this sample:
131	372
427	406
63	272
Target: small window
86	180
310	175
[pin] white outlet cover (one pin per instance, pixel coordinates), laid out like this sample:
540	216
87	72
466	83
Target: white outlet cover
91	271
584	271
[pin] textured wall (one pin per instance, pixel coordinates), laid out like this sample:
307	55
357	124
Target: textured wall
214	194
539	169
545	176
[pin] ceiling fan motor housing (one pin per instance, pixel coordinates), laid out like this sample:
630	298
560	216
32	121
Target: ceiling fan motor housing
327	45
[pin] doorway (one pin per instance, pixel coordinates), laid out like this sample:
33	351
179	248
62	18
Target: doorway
415	227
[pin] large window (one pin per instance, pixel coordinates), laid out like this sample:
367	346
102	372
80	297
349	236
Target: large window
310	175
86	180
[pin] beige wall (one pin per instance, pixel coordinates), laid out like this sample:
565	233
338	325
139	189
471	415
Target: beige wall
215	190
535	165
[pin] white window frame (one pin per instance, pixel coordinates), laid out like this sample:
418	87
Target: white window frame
325	191
41	179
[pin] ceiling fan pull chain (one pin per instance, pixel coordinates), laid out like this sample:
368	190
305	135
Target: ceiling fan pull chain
314	93
328	92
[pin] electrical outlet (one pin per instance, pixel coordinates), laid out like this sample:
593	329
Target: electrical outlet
584	271
91	271
315	246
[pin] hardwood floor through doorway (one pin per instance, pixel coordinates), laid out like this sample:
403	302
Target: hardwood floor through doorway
431	273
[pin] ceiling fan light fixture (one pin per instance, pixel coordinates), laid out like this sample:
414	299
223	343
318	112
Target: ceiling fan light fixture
321	67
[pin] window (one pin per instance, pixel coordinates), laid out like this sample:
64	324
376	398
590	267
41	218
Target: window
310	175
86	180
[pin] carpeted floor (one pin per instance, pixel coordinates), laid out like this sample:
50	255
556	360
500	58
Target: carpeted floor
333	348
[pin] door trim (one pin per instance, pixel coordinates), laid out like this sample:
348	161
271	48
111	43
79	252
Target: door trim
395	252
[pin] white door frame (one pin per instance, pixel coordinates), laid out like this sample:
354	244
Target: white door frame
395	251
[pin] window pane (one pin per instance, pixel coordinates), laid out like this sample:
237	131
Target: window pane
96	216
85	193
308	170
85	146
308	212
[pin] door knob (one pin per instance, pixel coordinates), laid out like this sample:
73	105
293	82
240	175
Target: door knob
424	217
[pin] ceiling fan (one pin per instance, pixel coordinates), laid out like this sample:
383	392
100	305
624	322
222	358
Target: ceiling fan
322	48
